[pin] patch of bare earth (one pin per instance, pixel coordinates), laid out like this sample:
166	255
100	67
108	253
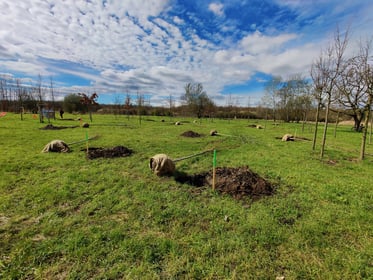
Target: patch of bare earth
118	151
190	133
53	127
238	182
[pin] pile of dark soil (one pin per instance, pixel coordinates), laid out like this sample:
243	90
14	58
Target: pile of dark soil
190	133
238	182
52	127
118	151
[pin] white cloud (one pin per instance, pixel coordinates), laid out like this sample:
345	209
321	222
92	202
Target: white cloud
137	45
217	8
258	43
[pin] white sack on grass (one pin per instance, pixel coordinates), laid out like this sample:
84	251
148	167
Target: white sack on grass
57	146
287	137
162	165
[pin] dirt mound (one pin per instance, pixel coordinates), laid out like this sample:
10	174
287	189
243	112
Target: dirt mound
238	182
190	133
52	127
118	151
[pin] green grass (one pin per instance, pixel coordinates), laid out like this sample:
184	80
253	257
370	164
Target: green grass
65	217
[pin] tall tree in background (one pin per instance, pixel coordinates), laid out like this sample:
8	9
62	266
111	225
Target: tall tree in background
140	101
171	105
270	98
196	99
71	103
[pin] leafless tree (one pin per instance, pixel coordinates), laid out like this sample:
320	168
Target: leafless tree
196	99
127	104
270	98
19	92
324	72
140	103
363	60
171	105
52	96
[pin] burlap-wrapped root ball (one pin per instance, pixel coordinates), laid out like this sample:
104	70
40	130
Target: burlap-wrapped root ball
162	165
213	132
287	137
57	146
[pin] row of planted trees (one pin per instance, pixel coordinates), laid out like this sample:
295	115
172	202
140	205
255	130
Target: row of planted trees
341	84
344	83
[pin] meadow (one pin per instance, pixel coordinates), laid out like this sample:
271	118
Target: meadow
63	216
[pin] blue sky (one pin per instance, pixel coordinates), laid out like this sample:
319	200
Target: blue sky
156	47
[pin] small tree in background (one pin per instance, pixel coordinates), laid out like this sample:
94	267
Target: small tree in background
127	105
88	101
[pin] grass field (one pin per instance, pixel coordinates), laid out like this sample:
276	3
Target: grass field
63	216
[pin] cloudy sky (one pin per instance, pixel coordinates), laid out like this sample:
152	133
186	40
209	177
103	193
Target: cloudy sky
156	47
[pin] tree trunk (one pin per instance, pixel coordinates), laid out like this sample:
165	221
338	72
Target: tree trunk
304	121
357	122
325	128
365	130
336	125
371	128
316	125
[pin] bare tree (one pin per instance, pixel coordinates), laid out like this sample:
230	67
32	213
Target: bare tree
367	79
324	72
127	105
351	89
40	96
270	99
3	94
196	99
171	105
52	96
140	103
19	92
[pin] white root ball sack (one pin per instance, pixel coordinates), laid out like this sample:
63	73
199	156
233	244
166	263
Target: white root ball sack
57	146
162	165
287	137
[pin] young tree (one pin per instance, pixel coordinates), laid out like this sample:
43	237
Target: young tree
127	105
52	96
140	103
40	98
325	71
88	101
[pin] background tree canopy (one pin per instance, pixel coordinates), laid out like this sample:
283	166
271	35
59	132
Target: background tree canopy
196	99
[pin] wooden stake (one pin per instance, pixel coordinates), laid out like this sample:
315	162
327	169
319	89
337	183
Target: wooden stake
214	170
86	139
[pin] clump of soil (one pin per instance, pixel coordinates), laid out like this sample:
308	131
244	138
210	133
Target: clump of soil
190	133
118	151
238	182
52	127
